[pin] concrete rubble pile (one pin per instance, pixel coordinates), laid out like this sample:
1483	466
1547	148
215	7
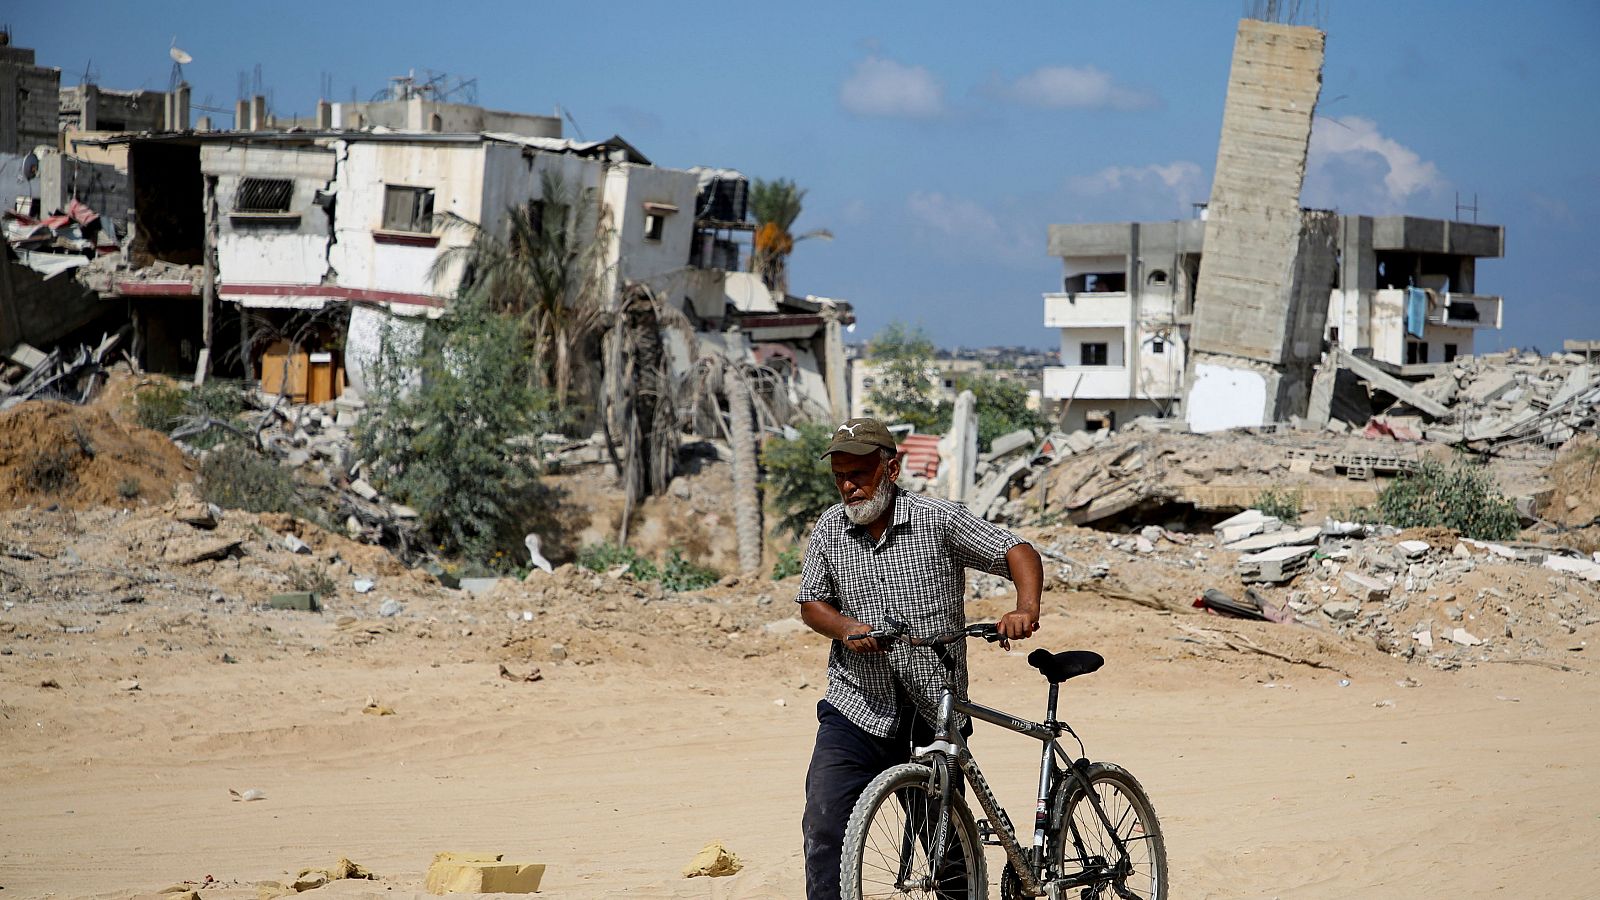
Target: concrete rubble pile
1426	595
1503	399
317	441
27	373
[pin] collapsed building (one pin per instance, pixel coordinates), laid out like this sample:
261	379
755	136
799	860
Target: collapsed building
279	250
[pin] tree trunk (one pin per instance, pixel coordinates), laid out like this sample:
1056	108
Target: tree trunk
746	495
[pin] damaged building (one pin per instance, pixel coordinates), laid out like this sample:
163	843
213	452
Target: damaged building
279	253
1403	291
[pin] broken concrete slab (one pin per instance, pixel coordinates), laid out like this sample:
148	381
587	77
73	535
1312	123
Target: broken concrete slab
1341	610
1009	443
363	489
1583	568
1274	566
481	873
1251	521
1281	538
1365	587
1412	549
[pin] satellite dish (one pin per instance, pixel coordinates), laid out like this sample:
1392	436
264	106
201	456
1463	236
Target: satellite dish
179	57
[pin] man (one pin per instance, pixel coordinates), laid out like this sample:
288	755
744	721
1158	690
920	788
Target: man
881	552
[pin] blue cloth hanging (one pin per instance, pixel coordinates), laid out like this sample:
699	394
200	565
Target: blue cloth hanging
1416	311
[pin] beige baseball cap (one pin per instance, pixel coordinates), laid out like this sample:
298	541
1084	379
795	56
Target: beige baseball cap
860	437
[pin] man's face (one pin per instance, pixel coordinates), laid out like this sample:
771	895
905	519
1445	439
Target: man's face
860	479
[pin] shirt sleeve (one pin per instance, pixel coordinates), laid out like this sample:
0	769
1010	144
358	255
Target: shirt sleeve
816	578
979	544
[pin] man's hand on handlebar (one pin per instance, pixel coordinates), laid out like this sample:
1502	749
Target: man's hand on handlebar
1017	625
855	639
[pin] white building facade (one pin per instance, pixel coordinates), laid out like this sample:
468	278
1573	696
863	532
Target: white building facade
1405	292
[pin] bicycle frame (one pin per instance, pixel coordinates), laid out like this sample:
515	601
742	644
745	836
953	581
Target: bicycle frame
949	741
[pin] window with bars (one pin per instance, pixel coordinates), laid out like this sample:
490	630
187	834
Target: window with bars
407	209
263	195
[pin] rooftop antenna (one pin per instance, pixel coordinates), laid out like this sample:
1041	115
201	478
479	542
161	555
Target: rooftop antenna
565	114
90	76
1462	207
179	60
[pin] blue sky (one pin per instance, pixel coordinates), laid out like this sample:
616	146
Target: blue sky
937	140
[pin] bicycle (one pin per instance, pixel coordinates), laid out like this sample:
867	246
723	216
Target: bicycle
1094	827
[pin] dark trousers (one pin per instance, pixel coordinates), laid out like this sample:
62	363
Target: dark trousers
844	762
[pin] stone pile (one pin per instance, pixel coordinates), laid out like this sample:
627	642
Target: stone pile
1512	398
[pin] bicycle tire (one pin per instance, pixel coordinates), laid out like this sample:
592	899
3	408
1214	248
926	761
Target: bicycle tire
875	841
1130	810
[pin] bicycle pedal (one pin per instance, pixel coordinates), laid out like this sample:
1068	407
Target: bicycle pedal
987	835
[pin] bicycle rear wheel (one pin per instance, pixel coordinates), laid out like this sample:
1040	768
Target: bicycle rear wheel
886	843
1085	843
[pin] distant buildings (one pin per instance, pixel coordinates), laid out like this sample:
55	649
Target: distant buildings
1404	292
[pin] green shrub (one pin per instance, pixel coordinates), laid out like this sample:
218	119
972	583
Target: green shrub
1461	496
129	488
51	470
1285	504
168	407
312	579
236	477
799	484
159	407
789	562
441	424
679	574
676	574
605	556
1002	407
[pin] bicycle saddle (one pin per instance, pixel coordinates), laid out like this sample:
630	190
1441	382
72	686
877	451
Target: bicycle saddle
1058	667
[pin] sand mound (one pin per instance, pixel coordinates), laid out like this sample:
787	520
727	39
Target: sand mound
53	452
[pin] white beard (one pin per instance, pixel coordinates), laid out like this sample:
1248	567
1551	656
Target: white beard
868	512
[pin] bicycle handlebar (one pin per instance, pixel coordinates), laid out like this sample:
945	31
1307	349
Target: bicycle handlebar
893	630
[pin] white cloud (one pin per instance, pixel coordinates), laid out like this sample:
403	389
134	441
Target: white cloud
882	87
1076	87
1354	144
1176	177
971	229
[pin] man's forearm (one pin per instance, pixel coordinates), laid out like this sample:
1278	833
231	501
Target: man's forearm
825	620
1027	573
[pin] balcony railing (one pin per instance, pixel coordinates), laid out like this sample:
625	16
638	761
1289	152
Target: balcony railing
1087	310
1466	311
1087	382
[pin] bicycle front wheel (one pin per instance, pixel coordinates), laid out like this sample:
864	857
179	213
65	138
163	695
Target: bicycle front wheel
1139	869
889	837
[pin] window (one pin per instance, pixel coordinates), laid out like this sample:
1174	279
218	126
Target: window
1416	353
1157	345
263	195
1157	278
1092	354
1449	352
1333	334
407	209
653	225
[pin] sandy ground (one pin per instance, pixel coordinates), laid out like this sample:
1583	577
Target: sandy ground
1271	779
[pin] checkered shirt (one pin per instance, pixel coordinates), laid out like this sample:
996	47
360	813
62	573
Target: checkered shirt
916	573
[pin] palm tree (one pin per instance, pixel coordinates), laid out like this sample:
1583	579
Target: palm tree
776	205
546	269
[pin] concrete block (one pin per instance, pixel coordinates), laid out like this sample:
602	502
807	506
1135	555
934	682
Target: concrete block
1010	443
1273	566
27	357
1365	587
306	601
1280	538
476	586
364	490
481	873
